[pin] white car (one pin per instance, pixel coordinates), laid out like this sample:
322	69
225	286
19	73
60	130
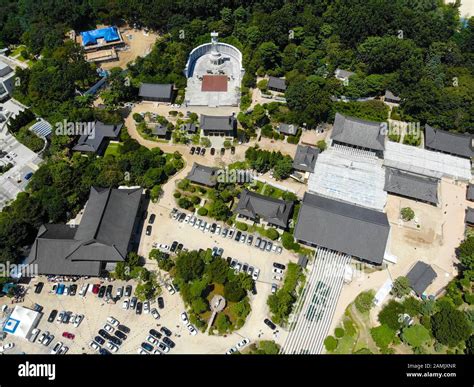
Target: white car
63	350
6	347
277	271
197	224
152	340
34	335
203	226
78	320
187	219
192	221
108	328
218	230
83	290
112	347
112	321
170	289
184	318
163	247
231	351
255	274
126	304
238	267
157	352
94	346
56	348
155	314
191	329
146	307
141	351
230	235
277	277
243	343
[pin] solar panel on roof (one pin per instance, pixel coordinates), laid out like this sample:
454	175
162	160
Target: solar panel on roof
42	128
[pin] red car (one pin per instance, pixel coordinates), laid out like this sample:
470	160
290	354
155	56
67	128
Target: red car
95	288
68	335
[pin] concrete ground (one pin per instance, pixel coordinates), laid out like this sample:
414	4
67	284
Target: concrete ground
138	43
434	242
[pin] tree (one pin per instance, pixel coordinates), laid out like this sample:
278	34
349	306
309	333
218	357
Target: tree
365	301
144	291
265	347
450	326
199	305
189	265
283	168
390	315
466	252
272	234
330	343
218	270
383	336
233	291
401	287
202	211
223	323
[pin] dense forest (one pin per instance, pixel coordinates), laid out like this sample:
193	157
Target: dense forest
421	50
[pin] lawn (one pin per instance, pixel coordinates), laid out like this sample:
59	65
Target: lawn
113	149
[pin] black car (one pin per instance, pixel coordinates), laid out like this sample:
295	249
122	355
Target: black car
269	324
173	247
123	328
52	315
103	351
133	302
115	340
99	340
151	219
232	150
203	151
66	318
120	335
213	151
229	260
182	217
155	334
245	268
73	290
179	248
279	265
147	347
166	331
213	228
191	151
238	234
148	230
104	334
128	291
102	291
145	215
170	343
254	288
198	150
39	287
139	308
222	151
108	291
161	302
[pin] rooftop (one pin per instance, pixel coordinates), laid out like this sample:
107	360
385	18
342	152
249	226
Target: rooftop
288	129
447	142
276	83
343	227
410	185
202	174
420	277
274	211
156	90
92	142
305	158
358	133
219	123
102	236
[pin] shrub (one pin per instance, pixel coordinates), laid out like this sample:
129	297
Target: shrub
407	214
202	211
137	117
195	199
322	145
364	301
330	343
390	315
416	335
272	234
233	291
401	287
383	336
339	332
450	326
241	226
177	195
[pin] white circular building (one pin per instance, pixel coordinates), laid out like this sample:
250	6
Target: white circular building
214	71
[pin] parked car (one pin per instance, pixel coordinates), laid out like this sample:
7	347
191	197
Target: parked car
222	151
112	347
94	346
181	217
146	307
197	225
139	308
108	291
119	293
243	343
187	219
231	233
163	348
99	340
124	328
155	333
245	267
231	351
203	151
192	150
174	246
115	340
257	242
279	266
218	230
56	348
269	246
238	235
108	328
171	289
113	321
198	150
148	230
151	219
243	238
213	151
155	314
277	277
77	320
52	315
232	150
34	335
263	245
39	287
274	288
270	324
101	291
160	302
213	228
250	240
104	334
255	274
69	335
224	232
133	302
170	343
166	331
279	250
184	317
147	347
191	329
152	340
207	228
277	271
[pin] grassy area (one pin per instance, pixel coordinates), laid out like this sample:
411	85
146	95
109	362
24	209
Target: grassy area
113	149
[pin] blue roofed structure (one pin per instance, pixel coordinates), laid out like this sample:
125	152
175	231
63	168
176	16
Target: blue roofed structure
42	128
108	34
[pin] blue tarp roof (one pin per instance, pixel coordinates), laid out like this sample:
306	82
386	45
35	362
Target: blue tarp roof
109	34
